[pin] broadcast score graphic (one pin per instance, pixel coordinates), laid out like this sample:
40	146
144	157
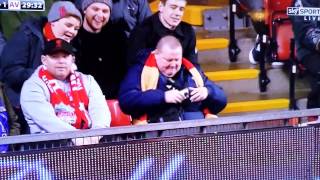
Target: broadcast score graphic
22	5
303	11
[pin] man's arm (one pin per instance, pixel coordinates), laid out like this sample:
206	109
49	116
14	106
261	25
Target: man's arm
216	100
38	110
2	42
144	11
14	59
137	44
98	108
190	51
306	32
132	100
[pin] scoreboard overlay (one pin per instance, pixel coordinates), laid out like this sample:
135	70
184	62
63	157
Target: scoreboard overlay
22	5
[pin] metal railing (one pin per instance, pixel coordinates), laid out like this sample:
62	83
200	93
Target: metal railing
221	124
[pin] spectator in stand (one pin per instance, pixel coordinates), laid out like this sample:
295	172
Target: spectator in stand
22	54
2	42
127	14
100	51
168	87
57	98
167	21
307	38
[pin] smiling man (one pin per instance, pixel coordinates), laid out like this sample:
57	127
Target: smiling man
167	21
98	53
22	53
169	87
57	98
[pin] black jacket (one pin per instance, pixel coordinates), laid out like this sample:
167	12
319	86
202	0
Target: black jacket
102	55
147	35
306	30
21	56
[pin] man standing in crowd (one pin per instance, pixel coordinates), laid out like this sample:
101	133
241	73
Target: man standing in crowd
57	98
100	49
22	54
167	21
168	87
307	38
127	14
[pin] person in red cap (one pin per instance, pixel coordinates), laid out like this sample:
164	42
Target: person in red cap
57	98
22	54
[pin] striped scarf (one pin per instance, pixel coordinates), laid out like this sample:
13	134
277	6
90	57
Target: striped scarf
69	108
150	77
150	73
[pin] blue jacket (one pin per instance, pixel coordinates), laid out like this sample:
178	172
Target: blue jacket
126	14
21	56
136	103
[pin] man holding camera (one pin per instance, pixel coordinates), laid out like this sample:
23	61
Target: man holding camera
169	88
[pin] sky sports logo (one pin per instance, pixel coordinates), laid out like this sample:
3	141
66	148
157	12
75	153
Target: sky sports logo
303	11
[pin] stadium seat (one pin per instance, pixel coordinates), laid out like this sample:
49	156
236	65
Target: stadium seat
281	39
118	118
280	28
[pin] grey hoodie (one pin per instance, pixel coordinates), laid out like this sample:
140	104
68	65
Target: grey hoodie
40	114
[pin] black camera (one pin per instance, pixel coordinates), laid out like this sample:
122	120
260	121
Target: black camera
185	92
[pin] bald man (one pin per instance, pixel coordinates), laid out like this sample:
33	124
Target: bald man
169	87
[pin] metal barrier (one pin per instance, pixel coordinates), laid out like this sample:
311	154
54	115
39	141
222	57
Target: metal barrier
170	129
237	147
256	146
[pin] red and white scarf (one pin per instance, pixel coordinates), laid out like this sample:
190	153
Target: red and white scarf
150	73
47	32
73	108
150	77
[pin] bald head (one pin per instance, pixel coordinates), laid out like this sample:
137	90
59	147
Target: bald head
170	41
165	1
168	55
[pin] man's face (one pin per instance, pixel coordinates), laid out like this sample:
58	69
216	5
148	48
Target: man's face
66	28
96	16
58	64
169	60
171	12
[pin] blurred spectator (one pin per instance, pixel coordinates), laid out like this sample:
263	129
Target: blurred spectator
255	10
165	22
2	42
126	14
100	47
11	20
22	54
307	38
168	87
57	98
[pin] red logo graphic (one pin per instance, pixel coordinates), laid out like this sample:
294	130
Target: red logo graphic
58	43
62	11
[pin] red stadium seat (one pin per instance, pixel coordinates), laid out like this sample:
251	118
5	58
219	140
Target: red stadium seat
281	39
280	28
118	118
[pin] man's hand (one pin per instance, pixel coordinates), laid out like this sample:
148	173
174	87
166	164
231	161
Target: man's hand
139	122
198	94
174	96
86	140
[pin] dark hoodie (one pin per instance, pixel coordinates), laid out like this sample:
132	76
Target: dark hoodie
21	56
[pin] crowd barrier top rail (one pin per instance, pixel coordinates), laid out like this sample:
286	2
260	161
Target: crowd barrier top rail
256	117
